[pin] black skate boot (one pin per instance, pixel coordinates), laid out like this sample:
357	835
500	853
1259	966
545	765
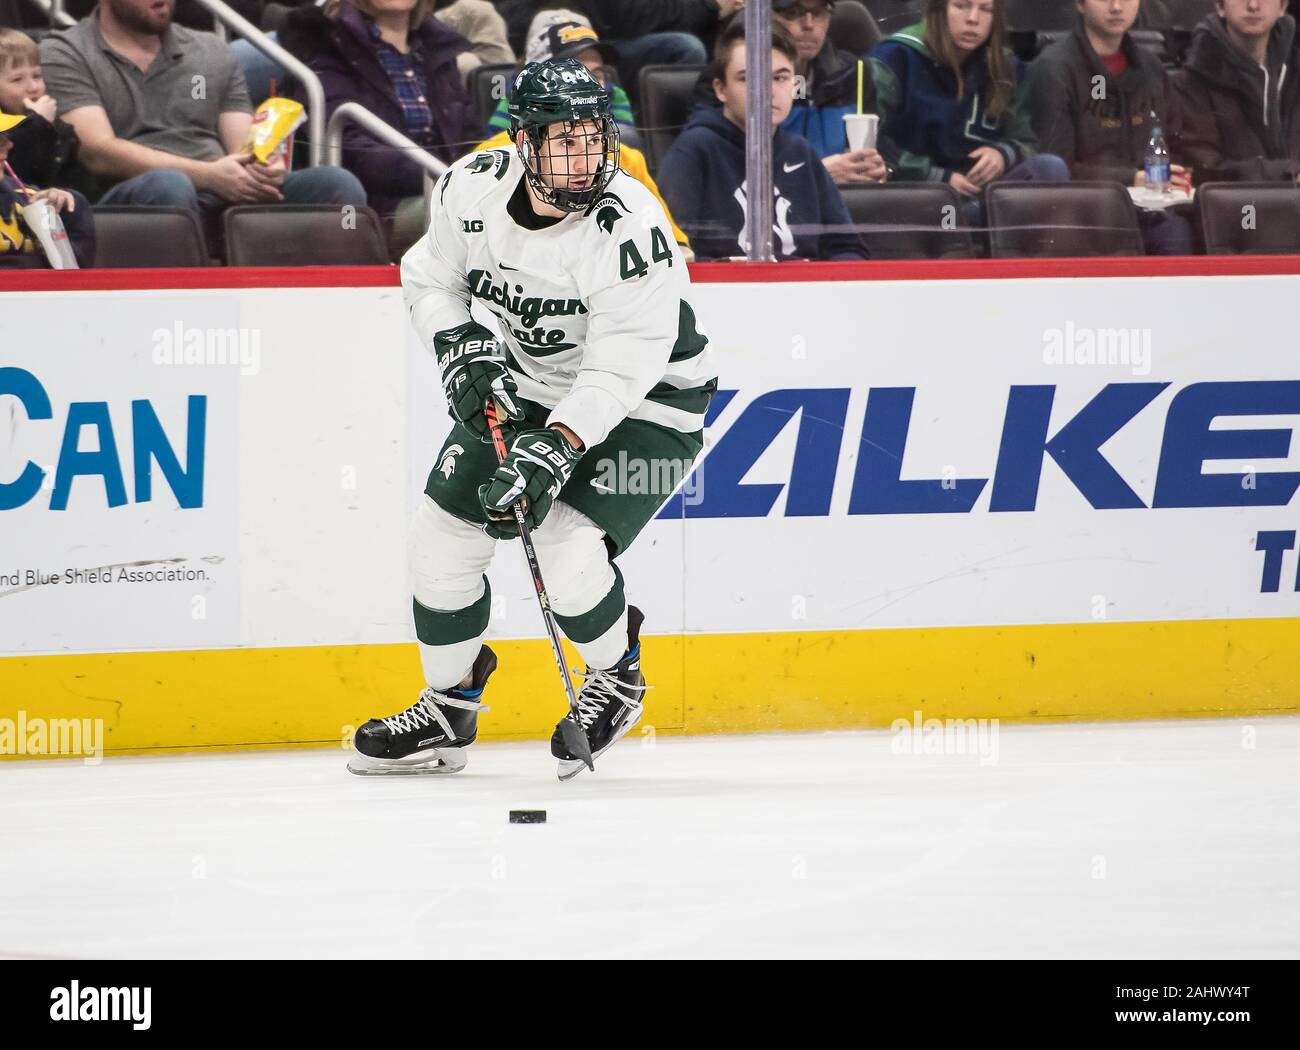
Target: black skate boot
609	702
431	735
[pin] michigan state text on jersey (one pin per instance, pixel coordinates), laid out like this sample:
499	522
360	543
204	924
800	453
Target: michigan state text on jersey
598	359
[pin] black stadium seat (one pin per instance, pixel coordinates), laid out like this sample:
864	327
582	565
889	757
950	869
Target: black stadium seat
1040	16
138	236
1061	219
667	98
853	29
1185	14
486	88
893	15
1249	218
302	235
917	220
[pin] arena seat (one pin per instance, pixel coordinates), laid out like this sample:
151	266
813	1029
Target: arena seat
1185	14
853	29
893	15
1061	219
131	237
483	98
1040	16
910	221
667	98
1274	226
302	235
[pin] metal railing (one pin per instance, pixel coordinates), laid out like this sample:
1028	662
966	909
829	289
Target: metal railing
355	113
227	16
54	13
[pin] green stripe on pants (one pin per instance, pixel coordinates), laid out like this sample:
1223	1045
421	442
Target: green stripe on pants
589	626
442	627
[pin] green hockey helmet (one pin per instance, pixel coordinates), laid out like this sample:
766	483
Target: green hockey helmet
581	155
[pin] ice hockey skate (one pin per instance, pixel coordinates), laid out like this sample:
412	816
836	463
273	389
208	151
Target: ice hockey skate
429	737
609	702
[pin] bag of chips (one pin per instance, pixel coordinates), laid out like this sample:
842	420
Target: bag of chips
272	129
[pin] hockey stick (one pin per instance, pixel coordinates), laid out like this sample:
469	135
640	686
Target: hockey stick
570	728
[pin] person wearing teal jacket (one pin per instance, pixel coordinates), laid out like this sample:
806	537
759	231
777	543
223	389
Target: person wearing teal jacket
951	101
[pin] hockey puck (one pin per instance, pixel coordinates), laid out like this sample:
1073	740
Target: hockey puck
528	816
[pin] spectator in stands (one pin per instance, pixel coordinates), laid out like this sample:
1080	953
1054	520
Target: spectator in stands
948	94
162	114
703	174
1091	95
1237	94
571	36
482	25
19	248
398	62
558	32
476	20
653	32
44	147
829	89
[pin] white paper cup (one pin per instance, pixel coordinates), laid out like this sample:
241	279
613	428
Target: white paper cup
861	129
42	219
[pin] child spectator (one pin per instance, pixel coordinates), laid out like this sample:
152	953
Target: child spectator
830	90
19	248
703	174
45	147
948	93
1091	95
561	33
1237	94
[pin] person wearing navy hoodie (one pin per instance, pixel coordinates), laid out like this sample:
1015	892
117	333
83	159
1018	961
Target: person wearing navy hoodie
950	95
702	177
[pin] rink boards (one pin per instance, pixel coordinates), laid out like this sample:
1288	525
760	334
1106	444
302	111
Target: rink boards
1013	490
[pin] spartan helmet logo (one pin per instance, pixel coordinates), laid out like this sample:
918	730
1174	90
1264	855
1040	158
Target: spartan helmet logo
447	466
606	217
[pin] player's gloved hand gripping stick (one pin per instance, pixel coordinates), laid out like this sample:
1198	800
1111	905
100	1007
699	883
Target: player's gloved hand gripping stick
574	738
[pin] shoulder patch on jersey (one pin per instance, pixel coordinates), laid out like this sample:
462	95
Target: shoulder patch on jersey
609	209
606	217
442	195
496	159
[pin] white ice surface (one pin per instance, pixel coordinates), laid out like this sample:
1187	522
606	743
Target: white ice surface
1112	840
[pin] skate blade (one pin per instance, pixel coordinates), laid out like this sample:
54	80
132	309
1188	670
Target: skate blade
429	763
571	767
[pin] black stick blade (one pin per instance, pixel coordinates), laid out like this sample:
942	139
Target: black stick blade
576	742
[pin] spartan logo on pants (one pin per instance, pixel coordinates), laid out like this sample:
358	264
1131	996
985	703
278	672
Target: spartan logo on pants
448	464
781	228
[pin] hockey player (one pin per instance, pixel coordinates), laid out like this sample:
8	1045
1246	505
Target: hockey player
600	361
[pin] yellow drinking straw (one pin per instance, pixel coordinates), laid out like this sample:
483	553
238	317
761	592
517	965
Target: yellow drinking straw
859	87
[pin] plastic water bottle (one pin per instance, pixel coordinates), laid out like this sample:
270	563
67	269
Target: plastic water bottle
1157	159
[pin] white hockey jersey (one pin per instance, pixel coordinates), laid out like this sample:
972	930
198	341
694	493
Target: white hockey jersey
593	310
